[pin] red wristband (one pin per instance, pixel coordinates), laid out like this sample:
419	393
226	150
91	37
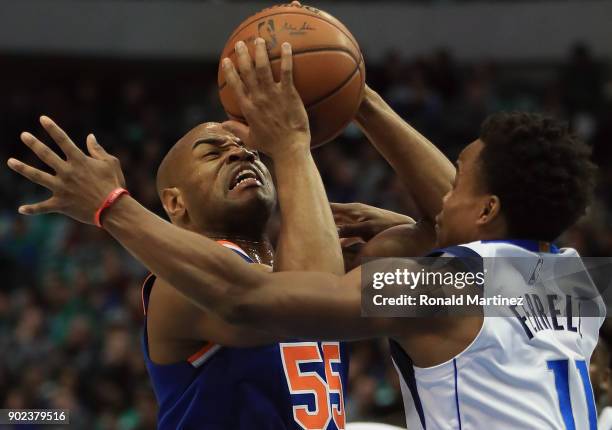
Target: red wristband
108	202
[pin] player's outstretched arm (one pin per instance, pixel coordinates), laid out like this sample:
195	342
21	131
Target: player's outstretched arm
325	306
308	305
301	304
210	275
278	126
316	306
81	184
423	169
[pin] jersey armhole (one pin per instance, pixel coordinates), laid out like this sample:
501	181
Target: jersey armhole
197	358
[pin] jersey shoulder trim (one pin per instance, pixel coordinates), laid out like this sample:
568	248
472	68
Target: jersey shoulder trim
455	251
238	250
530	245
201	356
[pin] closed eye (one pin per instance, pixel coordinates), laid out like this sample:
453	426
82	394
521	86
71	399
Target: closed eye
211	155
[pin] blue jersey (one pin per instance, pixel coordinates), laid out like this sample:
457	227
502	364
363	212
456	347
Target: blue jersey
288	385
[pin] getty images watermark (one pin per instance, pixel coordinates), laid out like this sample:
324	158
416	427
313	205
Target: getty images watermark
427	280
546	291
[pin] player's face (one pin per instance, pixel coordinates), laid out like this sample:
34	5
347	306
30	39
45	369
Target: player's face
225	180
462	205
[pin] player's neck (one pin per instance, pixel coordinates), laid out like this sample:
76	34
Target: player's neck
260	250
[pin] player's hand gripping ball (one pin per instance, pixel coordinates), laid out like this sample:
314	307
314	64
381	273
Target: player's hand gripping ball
328	67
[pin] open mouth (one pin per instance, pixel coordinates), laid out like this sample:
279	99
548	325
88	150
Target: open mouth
244	178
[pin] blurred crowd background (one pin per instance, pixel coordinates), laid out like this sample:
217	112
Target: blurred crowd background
70	305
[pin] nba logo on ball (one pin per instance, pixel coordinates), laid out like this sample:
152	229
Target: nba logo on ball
266	30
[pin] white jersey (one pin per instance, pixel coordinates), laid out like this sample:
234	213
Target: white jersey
525	370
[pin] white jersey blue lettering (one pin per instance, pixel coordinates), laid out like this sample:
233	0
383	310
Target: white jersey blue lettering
527	369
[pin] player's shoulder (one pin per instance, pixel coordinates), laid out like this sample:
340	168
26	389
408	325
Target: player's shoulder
165	300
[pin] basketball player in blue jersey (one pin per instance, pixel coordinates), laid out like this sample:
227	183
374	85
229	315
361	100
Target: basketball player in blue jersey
517	187
206	373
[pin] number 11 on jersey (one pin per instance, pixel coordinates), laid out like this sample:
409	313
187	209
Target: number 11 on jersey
560	369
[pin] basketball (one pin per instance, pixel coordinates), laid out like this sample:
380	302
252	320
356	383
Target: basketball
328	67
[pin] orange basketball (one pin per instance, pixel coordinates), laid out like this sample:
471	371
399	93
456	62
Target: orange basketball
328	68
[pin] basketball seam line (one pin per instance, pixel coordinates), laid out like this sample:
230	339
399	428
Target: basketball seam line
341	86
308	51
349	36
320	99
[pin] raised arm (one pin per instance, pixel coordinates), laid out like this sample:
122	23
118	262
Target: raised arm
278	126
308	238
210	275
305	304
423	169
82	183
300	304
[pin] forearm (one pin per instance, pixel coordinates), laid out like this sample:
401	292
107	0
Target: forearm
308	236
407	240
190	262
310	305
217	279
424	169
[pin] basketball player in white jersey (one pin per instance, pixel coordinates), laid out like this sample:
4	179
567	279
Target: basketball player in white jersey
517	188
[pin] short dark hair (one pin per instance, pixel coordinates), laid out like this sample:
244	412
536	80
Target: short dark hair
541	173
